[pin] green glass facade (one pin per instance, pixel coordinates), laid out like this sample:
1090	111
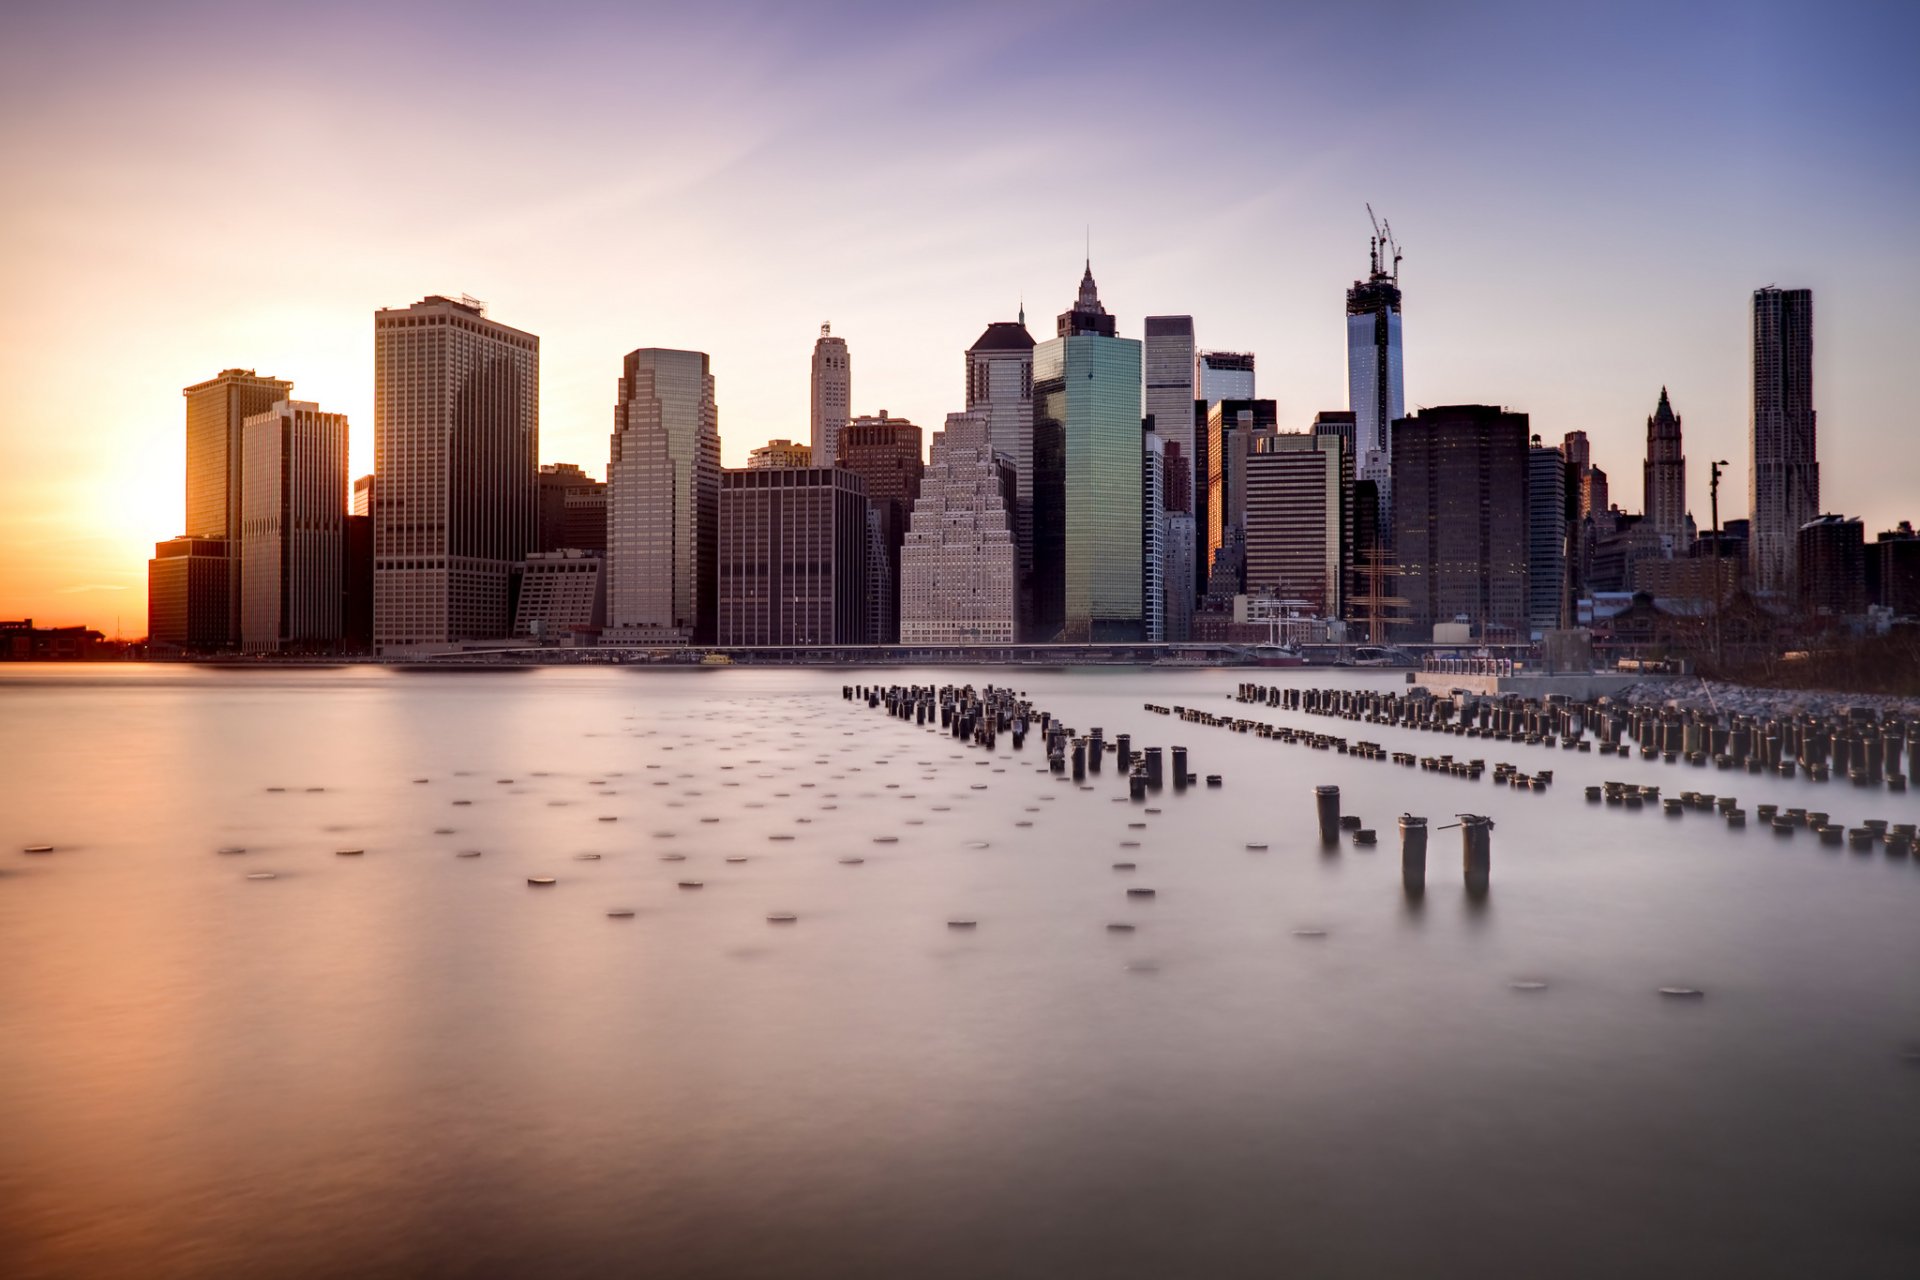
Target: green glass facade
1086	417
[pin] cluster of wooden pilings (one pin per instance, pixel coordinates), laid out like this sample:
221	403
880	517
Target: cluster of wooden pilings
1860	745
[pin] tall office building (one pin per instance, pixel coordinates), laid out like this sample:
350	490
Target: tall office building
1086	496
217	409
1170	361
1595	501
663	501
1181	546
1231	428
356	584
775	454
572	509
1153	535
1460	518
1375	388
957	565
1297	487
362	502
793	557
293	510
1666	478
832	396
1000	385
1832	554
456	426
885	452
1546	537
1223	375
1783	489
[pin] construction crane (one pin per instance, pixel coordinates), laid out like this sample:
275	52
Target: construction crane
1383	245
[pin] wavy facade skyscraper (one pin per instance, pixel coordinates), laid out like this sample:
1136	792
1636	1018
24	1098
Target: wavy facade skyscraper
1783	488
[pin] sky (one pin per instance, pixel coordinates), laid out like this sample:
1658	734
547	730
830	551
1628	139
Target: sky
1586	196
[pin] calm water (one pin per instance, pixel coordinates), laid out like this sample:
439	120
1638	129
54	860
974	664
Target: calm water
409	1062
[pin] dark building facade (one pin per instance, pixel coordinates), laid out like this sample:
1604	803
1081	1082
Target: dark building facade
1230	430
572	509
1784	484
356	591
886	453
1893	571
1832	555
189	594
1460	518
793	557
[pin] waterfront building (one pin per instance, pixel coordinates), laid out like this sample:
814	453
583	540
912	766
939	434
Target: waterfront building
663	501
356	587
882	587
1000	385
779	453
361	503
1223	375
1666	478
1546	537
1297	487
189	585
1169	362
573	510
1153	535
793	557
1784	483
1832	558
1179	540
832	396
957	564
1460	519
217	409
1893	571
293	528
456	424
1375	383
563	594
1086	426
1232	427
886	453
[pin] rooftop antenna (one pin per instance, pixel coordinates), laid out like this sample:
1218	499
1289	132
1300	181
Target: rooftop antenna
826	330
1373	245
1023	308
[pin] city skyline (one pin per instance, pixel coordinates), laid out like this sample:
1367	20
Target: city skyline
1695	183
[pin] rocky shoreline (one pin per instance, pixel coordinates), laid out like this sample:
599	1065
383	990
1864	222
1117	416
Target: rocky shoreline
1752	700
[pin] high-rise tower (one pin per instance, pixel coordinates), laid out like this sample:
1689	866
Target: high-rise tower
1086	493
663	501
956	568
1170	363
217	409
456	427
1666	478
832	396
293	527
1000	388
1784	484
1375	389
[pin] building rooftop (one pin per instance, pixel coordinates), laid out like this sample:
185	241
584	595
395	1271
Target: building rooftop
1004	335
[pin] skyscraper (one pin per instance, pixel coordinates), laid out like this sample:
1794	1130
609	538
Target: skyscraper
1546	536
663	501
832	396
956	567
1832	556
1784	484
793	557
573	509
1296	519
1460	517
1086	444
217	409
1666	478
1375	390
1153	535
293	528
1000	385
1170	362
1223	375
456	425
189	584
885	452
1180	545
1232	426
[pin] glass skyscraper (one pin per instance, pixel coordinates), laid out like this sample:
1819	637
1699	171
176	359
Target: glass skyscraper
1376	389
1087	509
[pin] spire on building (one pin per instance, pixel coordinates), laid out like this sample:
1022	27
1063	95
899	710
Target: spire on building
1086	316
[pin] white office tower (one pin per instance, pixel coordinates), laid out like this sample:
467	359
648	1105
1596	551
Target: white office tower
956	568
456	427
1169	361
1223	375
1376	391
292	528
1153	536
832	396
1000	386
663	502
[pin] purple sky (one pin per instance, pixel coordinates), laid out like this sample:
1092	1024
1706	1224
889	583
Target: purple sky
1586	202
